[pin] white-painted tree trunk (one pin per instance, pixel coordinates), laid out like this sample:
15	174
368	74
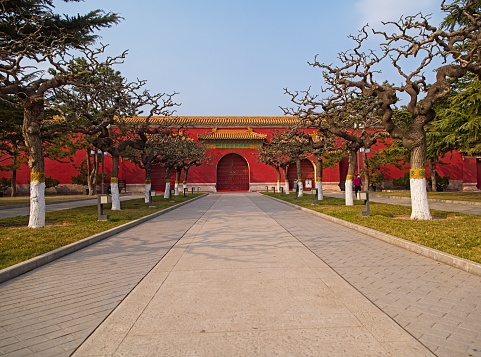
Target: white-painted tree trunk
37	205
167	190
301	189
419	200
176	188
320	195
278	186
286	186
114	189
349	193
148	187
185	187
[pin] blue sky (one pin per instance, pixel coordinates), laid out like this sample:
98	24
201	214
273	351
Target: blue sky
235	57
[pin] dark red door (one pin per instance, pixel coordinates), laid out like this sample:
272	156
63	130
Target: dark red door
478	167
232	173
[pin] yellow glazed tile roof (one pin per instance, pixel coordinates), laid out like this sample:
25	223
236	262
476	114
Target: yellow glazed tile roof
216	134
218	121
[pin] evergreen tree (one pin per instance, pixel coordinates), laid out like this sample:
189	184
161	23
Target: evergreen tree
32	36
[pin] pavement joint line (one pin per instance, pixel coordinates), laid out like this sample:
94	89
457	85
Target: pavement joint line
434	254
36	262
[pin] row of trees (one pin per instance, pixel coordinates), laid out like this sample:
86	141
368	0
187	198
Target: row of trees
79	94
357	95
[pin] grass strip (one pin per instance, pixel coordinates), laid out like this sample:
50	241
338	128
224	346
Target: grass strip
450	232
19	243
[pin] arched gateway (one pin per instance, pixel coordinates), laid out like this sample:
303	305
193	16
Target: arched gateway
232	173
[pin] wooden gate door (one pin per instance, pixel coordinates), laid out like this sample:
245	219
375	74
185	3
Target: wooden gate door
478	168
232	173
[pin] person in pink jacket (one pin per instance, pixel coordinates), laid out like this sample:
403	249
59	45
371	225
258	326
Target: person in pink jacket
357	184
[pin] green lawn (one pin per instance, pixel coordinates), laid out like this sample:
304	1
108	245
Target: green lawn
19	243
455	233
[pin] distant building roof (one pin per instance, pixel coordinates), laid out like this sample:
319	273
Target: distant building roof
218	121
216	134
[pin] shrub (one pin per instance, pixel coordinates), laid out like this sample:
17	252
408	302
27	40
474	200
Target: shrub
51	182
402	182
377	178
442	182
5	183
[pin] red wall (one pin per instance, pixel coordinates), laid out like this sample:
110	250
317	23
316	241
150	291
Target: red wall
452	165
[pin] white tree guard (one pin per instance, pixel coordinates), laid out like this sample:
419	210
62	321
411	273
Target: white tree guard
320	195
114	189
349	193
148	187
167	190
176	188
419	200
286	186
301	189
37	205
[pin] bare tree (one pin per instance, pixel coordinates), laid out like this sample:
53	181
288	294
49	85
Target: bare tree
411	45
324	147
99	106
344	113
273	153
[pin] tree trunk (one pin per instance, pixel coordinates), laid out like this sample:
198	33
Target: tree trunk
349	193
148	184
299	178
167	182
178	171
366	181
432	173
186	172
33	116
278	185
417	181
13	183
114	183
286	181
92	169
320	195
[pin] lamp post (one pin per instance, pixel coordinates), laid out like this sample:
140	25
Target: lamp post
103	168
98	152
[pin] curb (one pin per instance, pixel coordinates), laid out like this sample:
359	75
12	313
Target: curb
31	264
446	258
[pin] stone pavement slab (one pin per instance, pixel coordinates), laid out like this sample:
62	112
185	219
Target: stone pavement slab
241	274
438	304
238	283
51	310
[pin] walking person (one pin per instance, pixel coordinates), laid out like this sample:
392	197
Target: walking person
357	184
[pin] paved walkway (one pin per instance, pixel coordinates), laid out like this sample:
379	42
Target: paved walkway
24	210
241	274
